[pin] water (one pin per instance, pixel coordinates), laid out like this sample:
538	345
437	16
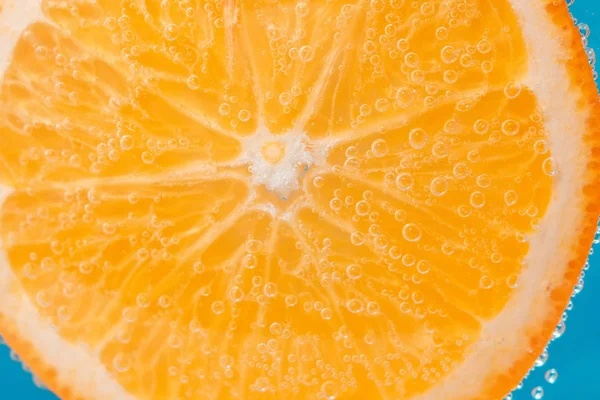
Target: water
573	357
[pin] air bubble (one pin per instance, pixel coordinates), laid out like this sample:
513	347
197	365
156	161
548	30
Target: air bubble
362	208
405	97
379	148
540	146
417	138
439	186
307	53
193	82
357	238
244	115
510	197
486	282
127	142
512	90
404	181
510	127
224	109
147	157
460	170
483	181
549	166
423	267
121	362
481	127
171	32
354	306
217	307
285	99
551	375
329	390
302	9
477	199
354	271
411	232
537	393
382	105
236	294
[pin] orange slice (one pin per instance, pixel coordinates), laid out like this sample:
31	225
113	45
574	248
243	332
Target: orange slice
273	199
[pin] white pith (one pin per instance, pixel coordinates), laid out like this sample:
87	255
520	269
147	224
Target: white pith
280	177
501	343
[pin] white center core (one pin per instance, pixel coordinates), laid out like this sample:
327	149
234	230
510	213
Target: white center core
277	161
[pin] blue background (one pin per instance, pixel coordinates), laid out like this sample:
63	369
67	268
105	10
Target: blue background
575	355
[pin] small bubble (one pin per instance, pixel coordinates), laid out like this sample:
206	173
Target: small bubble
510	127
439	150
486	282
307	53
270	289
354	271
291	300
236	294
404	181
244	115
411	232
330	390
365	110
121	362
423	267
165	301
464	211
335	204
382	105
540	146
402	44
379	148
405	97
193	82
450	76
357	238
537	393
362	208
417	138
171	32
147	157
541	360
302	9
448	54
549	166
126	142
512	90
477	199
551	375
285	99
484	46
439	186
481	127
224	109
510	197
460	170
483	181
217	307
354	306
512	281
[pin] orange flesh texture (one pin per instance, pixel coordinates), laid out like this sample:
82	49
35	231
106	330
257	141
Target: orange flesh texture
133	231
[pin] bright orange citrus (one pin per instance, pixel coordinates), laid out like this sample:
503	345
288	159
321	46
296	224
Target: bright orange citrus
273	199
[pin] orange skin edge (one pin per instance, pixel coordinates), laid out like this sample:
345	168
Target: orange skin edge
579	70
501	384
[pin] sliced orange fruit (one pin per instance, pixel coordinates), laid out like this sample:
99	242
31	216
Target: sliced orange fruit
273	199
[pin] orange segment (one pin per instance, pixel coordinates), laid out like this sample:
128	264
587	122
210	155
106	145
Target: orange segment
277	199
